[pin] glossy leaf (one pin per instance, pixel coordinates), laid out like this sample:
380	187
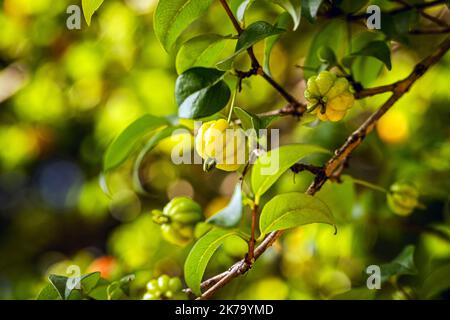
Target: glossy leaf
294	8
254	33
402	264
201	92
89	8
124	144
377	49
49	292
310	8
331	35
149	146
59	283
200	254
282	23
291	210
230	215
172	17
201	51
271	165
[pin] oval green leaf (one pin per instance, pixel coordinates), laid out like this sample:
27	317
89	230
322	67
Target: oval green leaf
202	51
200	254
201	92
124	144
254	33
377	49
89	8
291	210
271	165
151	143
294	8
172	17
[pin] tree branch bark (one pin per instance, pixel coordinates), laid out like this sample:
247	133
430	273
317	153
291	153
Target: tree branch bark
334	164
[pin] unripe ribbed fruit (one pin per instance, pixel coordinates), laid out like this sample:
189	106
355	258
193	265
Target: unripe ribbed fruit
329	95
403	198
178	220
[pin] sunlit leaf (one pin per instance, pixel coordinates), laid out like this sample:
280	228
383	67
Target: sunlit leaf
283	23
254	33
294	8
172	17
150	145
89	8
331	35
291	210
124	144
310	8
49	292
200	254
271	165
377	49
201	51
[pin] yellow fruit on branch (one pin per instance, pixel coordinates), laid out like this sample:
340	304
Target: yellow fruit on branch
329	95
221	145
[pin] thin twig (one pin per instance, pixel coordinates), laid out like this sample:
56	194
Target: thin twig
337	162
250	257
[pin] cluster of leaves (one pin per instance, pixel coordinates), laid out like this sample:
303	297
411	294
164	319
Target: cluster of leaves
90	286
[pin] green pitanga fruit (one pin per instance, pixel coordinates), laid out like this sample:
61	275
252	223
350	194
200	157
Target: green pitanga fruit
178	220
403	198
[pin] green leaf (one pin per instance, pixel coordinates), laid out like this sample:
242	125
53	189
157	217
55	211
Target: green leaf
436	282
340	197
200	254
100	290
152	143
120	289
310	8
230	215
294	8
364	69
402	264
89	8
59	283
240	7
201	92
377	49
89	281
291	210
252	121
254	33
49	292
201	51
124	144
331	35
271	165
282	22
172	17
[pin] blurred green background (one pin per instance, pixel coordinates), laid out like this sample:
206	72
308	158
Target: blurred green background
65	94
